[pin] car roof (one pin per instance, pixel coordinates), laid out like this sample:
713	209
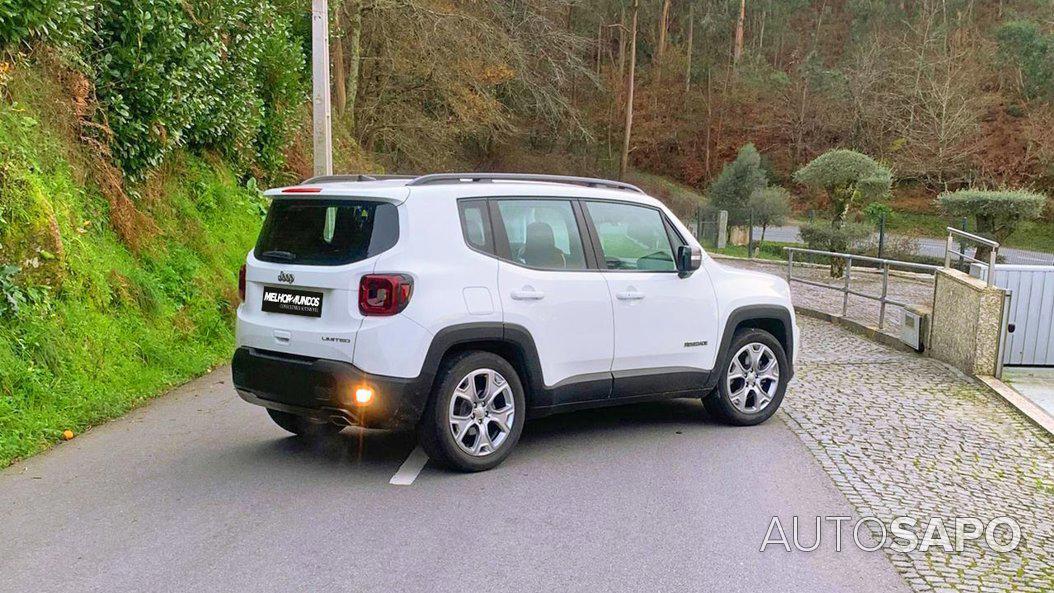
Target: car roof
397	189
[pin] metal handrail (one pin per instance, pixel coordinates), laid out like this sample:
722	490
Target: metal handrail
846	289
948	251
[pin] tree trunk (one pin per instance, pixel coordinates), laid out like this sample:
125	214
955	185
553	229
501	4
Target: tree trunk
664	24
688	66
986	227
737	53
353	13
624	161
709	120
600	45
570	29
761	33
340	91
622	43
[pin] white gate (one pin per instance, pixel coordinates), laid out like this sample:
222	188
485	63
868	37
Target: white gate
1030	318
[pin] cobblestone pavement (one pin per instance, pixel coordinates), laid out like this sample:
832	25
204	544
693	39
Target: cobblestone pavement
907	289
907	436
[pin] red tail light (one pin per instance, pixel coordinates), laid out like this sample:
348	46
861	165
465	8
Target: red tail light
384	294
241	282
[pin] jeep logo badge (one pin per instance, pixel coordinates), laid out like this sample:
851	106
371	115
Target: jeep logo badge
285	277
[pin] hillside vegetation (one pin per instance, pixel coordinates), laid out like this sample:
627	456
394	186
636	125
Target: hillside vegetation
105	303
135	135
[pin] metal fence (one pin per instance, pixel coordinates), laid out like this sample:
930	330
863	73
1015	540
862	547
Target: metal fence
883	265
710	227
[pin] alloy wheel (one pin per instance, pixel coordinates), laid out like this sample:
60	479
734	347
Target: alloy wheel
481	412
752	378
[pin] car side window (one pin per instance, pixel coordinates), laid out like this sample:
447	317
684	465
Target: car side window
542	233
632	237
475	225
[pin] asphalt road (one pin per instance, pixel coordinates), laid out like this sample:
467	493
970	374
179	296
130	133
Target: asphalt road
198	491
927	247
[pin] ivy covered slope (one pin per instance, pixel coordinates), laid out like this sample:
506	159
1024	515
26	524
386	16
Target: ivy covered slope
108	293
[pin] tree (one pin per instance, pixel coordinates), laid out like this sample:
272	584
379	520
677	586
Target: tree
933	99
448	89
664	26
850	180
1023	45
348	36
738	181
998	213
770	206
737	50
624	160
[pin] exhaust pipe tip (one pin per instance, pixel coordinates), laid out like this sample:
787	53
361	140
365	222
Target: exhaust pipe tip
344	418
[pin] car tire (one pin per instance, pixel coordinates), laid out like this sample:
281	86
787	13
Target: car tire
747	393
479	395
303	427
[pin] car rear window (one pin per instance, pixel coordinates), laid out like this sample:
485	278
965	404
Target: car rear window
326	232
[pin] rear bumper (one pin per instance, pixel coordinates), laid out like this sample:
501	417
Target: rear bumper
325	389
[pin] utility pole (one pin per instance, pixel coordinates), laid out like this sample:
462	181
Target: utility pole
624	161
321	120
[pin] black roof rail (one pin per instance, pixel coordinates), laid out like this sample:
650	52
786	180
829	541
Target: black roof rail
355	178
441	178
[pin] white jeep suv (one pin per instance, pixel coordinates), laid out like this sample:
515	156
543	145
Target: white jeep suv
462	304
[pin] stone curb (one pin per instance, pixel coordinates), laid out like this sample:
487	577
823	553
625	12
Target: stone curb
855	327
1036	414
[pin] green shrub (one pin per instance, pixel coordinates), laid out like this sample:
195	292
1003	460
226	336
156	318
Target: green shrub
876	211
769	206
225	75
60	21
737	182
839	237
222	75
12	297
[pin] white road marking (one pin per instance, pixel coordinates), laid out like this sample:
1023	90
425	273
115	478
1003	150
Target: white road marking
410	468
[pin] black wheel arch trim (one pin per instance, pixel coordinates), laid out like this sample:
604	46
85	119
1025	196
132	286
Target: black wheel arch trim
755	314
484	334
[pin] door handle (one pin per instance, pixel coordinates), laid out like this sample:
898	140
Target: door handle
527	295
629	295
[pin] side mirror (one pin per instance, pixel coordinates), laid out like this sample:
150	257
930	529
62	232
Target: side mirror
689	259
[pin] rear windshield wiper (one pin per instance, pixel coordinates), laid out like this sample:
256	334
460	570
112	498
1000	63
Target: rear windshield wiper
278	254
